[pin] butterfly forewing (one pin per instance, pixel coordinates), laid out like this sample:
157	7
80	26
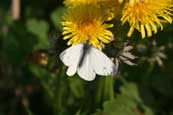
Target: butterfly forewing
71	58
72	55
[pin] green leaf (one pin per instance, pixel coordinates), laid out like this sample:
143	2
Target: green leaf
17	44
77	87
163	85
56	17
148	111
46	78
122	105
39	28
131	90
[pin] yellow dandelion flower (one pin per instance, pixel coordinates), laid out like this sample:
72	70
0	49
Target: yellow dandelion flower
79	2
113	7
110	6
86	24
131	2
147	15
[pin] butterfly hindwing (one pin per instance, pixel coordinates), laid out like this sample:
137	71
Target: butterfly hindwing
85	69
72	70
101	64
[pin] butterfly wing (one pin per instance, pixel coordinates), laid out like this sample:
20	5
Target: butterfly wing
85	69
71	58
101	64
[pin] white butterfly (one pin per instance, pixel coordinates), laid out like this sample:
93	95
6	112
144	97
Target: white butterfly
87	61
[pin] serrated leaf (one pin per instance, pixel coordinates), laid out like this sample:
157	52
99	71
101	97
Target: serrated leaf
148	111
17	45
77	87
122	105
56	17
39	28
131	90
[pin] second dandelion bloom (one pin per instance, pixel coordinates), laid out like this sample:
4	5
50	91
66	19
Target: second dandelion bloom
147	15
86	23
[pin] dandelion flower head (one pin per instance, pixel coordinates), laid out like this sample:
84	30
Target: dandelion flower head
131	2
113	7
86	24
147	15
71	3
110	6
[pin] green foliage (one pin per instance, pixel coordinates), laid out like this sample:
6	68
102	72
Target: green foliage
121	105
57	16
33	80
40	29
131	90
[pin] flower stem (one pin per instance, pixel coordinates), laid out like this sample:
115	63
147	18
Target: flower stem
105	89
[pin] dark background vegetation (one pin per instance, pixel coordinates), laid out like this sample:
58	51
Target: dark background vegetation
33	80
